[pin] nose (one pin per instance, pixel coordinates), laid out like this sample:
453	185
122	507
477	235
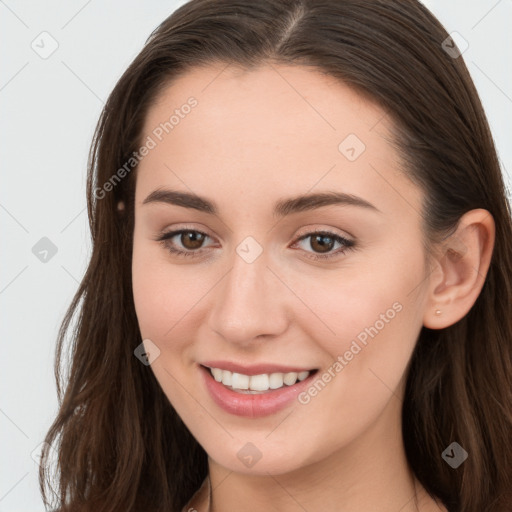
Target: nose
250	302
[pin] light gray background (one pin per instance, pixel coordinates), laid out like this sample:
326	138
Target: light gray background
49	108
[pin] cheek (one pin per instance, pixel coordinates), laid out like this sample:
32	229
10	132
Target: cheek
374	298
367	319
170	304
148	286
161	303
162	294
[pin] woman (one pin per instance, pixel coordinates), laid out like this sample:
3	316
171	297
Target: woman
300	288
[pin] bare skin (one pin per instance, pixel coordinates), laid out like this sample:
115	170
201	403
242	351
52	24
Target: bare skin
255	138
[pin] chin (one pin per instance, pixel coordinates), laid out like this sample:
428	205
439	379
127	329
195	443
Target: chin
263	458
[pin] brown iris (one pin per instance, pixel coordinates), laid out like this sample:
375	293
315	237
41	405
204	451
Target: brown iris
319	245
192	239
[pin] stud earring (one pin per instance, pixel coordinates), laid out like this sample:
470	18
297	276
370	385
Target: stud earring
438	312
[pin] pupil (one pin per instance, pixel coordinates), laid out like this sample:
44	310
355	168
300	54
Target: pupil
322	247
192	239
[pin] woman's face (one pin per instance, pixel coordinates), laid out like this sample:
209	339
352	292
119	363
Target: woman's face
302	253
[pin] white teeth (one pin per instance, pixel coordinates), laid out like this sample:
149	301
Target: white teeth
261	383
240	381
303	375
275	380
290	378
217	374
226	377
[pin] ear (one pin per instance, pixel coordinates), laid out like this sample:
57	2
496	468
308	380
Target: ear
459	270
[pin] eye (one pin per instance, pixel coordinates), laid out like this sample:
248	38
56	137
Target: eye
191	242
323	242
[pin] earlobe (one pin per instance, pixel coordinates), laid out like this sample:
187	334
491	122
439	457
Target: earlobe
459	272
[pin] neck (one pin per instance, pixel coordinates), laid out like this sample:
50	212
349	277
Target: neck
371	473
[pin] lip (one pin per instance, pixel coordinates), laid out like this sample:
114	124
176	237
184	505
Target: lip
254	369
252	405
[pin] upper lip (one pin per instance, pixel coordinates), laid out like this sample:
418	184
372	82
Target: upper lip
254	369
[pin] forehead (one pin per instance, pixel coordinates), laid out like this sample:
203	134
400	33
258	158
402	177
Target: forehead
296	103
275	128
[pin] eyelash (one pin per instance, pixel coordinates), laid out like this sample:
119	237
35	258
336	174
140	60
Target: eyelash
165	238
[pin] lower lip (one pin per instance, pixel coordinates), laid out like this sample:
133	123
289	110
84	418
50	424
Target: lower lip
252	405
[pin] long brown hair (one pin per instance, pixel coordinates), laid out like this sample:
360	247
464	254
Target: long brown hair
121	445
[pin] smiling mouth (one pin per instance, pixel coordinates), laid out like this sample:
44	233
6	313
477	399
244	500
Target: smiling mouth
257	384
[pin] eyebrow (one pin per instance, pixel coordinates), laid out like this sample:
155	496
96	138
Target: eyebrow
282	207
